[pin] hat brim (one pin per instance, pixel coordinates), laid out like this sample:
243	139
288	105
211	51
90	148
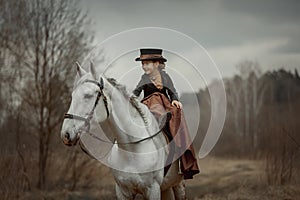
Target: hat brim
154	59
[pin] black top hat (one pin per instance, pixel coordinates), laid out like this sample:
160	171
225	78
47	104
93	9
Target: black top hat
151	54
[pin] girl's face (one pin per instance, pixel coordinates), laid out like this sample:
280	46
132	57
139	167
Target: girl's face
150	67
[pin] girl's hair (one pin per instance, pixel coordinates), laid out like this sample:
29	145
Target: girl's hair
161	65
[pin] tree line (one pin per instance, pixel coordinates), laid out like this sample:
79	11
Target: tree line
262	120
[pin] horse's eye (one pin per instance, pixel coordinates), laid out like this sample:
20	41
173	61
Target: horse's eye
88	96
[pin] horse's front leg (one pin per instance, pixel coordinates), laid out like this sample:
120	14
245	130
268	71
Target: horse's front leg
153	193
123	195
179	191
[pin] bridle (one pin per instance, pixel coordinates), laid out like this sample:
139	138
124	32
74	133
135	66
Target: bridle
87	124
87	120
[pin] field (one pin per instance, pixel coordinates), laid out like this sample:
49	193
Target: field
220	179
223	179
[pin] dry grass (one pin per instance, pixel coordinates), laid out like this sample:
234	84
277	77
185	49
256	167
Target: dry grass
220	179
229	179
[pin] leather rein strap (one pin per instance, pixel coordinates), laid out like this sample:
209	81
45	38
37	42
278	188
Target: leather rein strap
87	120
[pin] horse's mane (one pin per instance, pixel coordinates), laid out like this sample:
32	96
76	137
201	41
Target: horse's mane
131	98
119	86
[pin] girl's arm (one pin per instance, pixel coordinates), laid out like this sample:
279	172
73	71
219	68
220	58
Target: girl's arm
139	88
171	89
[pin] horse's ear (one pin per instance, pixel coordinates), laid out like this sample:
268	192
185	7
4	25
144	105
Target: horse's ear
93	70
80	70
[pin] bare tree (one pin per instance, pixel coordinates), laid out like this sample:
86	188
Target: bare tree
234	91
279	138
251	92
44	38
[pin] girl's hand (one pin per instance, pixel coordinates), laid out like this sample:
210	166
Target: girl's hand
177	104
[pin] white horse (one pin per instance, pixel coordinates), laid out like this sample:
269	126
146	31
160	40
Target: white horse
139	153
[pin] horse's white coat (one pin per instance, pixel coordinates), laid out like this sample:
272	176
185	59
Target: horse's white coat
142	168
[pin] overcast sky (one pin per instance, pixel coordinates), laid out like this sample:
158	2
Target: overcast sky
266	31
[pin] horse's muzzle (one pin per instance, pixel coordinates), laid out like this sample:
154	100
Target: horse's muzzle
67	140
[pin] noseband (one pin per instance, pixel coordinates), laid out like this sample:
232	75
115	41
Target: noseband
87	120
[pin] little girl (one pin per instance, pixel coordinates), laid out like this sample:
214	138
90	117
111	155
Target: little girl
159	90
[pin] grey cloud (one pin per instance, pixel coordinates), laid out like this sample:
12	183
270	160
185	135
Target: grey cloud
273	11
212	23
291	47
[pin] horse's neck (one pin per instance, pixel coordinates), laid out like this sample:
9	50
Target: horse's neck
132	124
132	127
129	122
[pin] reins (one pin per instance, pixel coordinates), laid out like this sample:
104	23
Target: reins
87	120
123	143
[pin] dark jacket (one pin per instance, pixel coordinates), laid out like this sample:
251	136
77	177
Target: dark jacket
149	88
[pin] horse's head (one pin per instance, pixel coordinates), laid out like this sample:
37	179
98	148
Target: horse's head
88	98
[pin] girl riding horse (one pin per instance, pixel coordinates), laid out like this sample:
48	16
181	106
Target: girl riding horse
162	99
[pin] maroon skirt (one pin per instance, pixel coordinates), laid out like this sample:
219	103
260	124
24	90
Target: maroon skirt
159	104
